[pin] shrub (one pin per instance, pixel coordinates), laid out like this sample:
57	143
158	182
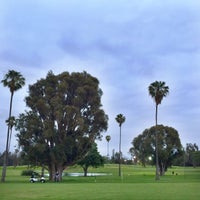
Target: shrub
29	173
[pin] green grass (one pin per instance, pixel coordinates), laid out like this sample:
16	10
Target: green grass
136	183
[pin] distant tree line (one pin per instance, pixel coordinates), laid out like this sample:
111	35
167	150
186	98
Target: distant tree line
189	157
192	155
14	159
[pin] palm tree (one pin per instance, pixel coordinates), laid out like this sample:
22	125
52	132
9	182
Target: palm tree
108	138
157	90
14	81
120	120
10	123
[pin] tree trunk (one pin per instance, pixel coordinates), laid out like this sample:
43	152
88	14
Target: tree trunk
162	169
156	137
85	169
7	144
60	171
156	116
120	152
52	172
42	172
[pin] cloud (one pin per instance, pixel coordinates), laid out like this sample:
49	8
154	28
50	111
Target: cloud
125	44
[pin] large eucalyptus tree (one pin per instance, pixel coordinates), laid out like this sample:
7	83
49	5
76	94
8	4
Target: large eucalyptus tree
157	90
65	119
14	81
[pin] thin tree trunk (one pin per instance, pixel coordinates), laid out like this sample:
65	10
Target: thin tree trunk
156	114
120	152
108	149
42	172
156	137
7	144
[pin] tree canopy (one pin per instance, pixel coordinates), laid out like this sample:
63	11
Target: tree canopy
92	158
169	146
192	155
64	120
120	118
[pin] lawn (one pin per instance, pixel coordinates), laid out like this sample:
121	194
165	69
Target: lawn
136	183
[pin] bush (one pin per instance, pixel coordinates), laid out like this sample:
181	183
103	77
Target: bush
29	173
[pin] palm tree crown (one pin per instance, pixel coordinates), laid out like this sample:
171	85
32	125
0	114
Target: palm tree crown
120	119
158	90
13	80
108	138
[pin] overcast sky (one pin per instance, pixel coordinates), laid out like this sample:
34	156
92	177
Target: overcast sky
126	44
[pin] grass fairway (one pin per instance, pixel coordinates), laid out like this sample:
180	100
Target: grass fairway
137	183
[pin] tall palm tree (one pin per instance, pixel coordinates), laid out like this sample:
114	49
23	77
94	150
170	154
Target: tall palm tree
157	90
120	120
108	138
14	81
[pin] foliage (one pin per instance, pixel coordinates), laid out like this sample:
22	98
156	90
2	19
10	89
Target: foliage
64	119
14	159
29	173
120	119
191	154
169	146
196	158
158	90
13	80
108	138
92	158
115	158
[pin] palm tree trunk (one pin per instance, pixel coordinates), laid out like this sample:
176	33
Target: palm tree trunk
156	115
107	149
120	152
7	143
156	137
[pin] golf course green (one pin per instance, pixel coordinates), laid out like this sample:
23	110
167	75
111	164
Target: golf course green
136	182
